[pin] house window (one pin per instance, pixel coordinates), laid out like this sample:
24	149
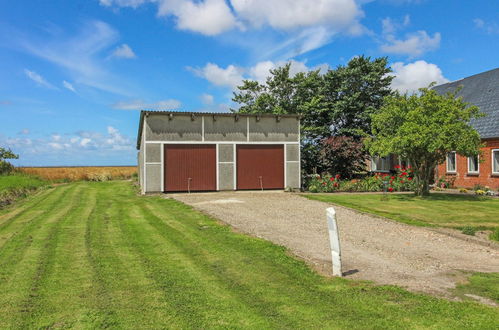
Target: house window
451	162
473	166
380	164
495	161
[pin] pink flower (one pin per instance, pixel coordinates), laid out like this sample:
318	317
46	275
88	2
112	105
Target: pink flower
390	189
331	179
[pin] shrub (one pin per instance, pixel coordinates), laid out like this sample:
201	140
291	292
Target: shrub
478	186
5	166
445	182
480	192
400	181
468	231
99	176
463	190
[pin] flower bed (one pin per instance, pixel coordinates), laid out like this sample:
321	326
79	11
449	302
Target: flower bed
402	180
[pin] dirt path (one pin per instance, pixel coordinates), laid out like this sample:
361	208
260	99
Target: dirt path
375	249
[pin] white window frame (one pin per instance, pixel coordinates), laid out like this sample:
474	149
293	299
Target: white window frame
477	171
384	161
447	162
492	159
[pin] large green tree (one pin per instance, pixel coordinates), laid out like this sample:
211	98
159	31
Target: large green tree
423	128
338	102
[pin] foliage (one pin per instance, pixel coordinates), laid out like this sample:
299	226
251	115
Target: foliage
338	102
469	230
423	128
443	210
343	155
463	190
445	182
480	187
400	181
5	166
480	192
96	255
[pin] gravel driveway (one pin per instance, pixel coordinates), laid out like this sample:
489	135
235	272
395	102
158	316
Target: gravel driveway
383	251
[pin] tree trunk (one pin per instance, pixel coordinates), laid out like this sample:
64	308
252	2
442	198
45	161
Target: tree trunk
423	176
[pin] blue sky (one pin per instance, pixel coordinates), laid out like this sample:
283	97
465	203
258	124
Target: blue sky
74	74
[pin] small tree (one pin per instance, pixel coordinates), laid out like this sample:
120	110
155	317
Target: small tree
423	128
343	155
5	166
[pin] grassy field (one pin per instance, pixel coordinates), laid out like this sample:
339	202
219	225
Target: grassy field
18	185
92	173
444	210
95	254
480	284
20	181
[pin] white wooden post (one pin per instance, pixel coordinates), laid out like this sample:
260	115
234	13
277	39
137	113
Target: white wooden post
334	239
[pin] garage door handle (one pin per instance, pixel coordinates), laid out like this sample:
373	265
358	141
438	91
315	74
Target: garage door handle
189	185
261	182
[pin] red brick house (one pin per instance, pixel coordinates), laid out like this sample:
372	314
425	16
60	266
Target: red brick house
481	90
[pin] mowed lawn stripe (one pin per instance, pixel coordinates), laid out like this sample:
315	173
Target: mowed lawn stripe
125	290
213	251
198	298
27	208
48	282
22	254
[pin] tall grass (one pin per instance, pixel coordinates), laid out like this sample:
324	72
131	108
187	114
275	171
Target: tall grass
17	185
85	173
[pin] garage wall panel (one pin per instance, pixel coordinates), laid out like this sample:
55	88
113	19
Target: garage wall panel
226	177
225	152
223	128
153	152
153	177
178	128
293	175
270	129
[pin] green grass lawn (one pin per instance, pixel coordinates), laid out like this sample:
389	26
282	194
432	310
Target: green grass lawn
17	185
94	254
444	210
20	181
480	284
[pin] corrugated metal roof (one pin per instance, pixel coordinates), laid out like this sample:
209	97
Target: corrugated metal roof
481	90
143	113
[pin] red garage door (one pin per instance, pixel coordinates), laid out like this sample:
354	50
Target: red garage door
260	166
190	167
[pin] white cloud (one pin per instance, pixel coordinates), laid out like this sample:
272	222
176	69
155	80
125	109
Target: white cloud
284	14
207	99
24	131
123	51
80	55
231	76
414	45
139	104
409	77
261	70
38	79
208	17
71	144
68	86
213	17
490	28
